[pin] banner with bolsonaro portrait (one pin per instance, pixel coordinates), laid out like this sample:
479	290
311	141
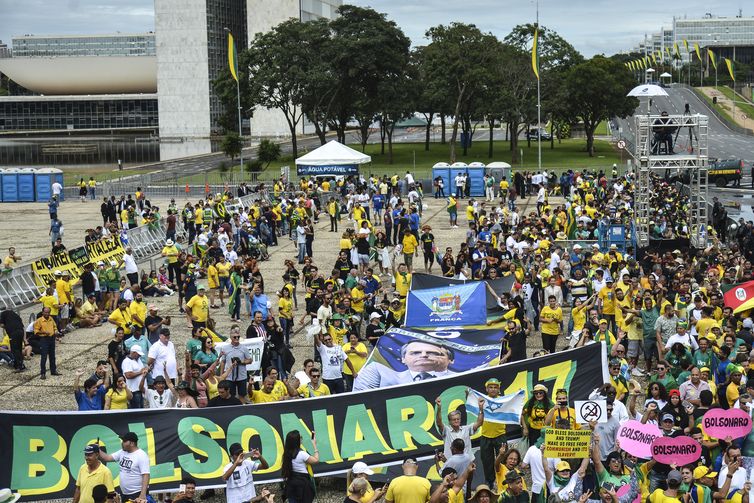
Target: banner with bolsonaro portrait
405	355
447	306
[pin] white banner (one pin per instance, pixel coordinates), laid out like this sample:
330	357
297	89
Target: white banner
255	346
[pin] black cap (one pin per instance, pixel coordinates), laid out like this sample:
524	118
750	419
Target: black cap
512	476
235	449
159	379
130	437
91	449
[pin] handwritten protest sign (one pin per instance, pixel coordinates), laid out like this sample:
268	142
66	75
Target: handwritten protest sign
566	444
723	423
678	450
636	438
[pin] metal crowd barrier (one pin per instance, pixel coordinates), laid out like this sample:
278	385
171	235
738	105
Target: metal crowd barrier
18	287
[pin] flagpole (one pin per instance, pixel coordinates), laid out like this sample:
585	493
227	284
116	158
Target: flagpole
234	72
539	107
240	129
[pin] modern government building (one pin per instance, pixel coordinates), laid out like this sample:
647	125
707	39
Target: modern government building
159	82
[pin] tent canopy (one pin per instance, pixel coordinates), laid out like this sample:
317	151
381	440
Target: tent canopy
332	158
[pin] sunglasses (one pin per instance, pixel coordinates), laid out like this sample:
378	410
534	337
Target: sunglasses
236	337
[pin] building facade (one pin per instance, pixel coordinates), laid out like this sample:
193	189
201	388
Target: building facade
119	44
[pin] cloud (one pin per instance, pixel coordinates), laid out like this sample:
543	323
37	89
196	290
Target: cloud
592	26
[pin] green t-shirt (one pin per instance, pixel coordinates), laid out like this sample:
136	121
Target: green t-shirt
507	497
668	381
193	346
204	358
616	480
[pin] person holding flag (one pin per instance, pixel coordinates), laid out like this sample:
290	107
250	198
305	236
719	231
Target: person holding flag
498	411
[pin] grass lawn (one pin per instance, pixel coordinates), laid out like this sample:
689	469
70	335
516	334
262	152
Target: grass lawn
601	129
741	103
722	110
72	174
570	154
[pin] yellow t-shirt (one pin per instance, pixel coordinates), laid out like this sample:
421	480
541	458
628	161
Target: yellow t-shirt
118	401
658	496
213	281
307	391
337	334
504	185
619	318
412	488
548	313
578	314
357	299
285	308
470	213
51	302
731	393
171	252
259	396
121	319
139	309
402	283
455	497
493	430
356	360
63	288
199	307
223	269
704	325
608	301
86	481
409	244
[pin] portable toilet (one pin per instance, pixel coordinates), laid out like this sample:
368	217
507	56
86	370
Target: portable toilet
1	184
26	184
499	170
43	180
442	169
10	185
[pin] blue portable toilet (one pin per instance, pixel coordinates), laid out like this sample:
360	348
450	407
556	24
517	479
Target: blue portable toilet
26	184
1	184
43	180
442	169
10	185
476	177
455	169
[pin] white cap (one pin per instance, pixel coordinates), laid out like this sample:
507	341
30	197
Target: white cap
100	263
137	349
375	315
57	273
595	245
361	467
748	323
577	246
613	246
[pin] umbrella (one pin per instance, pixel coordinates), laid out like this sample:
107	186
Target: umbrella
648	91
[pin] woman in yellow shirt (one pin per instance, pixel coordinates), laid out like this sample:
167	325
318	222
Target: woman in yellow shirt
410	248
285	313
578	314
356	352
118	395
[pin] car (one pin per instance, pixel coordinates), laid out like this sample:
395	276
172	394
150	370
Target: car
723	171
532	134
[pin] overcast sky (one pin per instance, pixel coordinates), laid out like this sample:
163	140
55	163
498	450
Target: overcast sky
592	26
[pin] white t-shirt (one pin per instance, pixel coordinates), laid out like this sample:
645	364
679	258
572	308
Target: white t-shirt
332	361
128	295
130	263
566	493
299	462
685	339
157	401
163	354
132	466
56	189
130	365
240	485
541	195
464	433
533	458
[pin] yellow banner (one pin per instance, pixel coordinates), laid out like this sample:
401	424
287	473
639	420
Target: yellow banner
74	260
567	444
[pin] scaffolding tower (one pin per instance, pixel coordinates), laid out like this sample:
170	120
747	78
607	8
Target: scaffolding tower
668	145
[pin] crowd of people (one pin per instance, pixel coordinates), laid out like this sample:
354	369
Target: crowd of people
674	349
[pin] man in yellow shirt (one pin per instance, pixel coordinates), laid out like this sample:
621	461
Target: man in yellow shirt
138	310
64	287
267	393
92	474
550	318
410	248
46	330
607	303
11	259
409	487
121	317
171	252
493	434
315	388
402	281
198	308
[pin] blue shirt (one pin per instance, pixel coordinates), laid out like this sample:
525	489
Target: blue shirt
94	403
53	207
55	226
377	201
413	221
259	303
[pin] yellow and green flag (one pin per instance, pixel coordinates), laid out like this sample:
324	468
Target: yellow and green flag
731	68
696	49
711	56
232	57
677	52
535	53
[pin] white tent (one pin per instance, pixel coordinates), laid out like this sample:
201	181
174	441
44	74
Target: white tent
332	158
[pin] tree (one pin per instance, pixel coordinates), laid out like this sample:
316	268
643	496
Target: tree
367	50
268	152
397	97
231	144
517	93
458	56
596	91
431	95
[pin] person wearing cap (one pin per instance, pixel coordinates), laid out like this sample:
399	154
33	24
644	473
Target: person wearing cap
561	482
121	317
423	360
360	471
139	339
91	474
375	328
672	492
409	487
197	308
134	468
493	434
699	482
732	385
135	373
238	474
515	492
535	412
